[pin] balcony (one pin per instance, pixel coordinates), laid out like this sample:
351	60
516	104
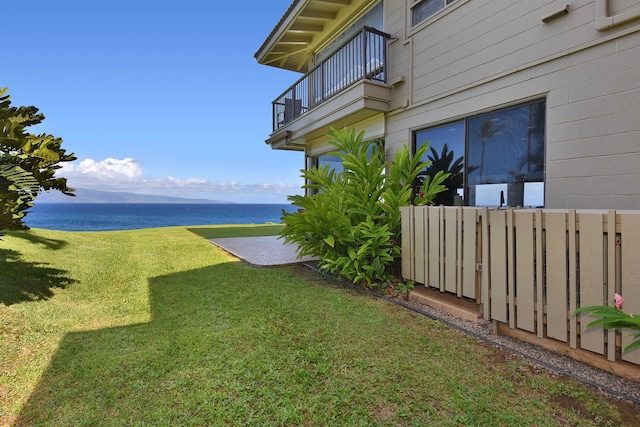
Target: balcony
362	59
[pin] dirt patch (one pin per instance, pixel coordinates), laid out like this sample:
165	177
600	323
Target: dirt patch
629	411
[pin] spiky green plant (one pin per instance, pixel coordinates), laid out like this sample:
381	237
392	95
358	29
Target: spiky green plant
615	318
352	220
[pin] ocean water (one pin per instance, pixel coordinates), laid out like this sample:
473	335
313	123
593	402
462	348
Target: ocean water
129	216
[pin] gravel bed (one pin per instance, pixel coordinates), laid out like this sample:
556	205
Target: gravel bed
605	381
541	358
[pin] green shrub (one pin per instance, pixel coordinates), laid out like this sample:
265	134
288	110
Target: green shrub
352	221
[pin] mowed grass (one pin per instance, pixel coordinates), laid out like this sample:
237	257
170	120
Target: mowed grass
160	327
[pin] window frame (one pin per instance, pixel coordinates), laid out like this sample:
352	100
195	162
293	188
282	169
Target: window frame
412	5
469	117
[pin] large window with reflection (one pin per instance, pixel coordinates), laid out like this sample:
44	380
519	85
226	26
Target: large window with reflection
446	152
496	158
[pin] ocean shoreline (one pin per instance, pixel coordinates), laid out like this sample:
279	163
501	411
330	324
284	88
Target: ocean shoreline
130	216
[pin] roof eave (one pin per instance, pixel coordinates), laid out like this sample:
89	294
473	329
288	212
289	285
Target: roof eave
280	27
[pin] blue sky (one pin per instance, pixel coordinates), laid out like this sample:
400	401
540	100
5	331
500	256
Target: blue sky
154	97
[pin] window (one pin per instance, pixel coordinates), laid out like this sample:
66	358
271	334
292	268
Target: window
334	162
507	147
446	152
502	153
422	9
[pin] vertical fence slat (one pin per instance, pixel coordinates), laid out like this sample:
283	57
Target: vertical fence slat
485	273
441	248
573	290
498	260
407	239
450	249
556	279
591	278
421	238
434	247
469	256
511	290
539	275
524	285
459	258
630	289
611	278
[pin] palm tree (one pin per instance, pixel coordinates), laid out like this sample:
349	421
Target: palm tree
486	132
443	162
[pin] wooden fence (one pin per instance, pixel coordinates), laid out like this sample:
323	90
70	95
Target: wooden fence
531	268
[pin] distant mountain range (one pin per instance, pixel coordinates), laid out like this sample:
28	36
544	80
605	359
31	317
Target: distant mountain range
94	196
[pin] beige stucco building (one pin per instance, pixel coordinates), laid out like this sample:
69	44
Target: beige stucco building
540	98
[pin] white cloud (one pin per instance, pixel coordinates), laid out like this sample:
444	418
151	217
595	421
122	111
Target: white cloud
127	175
105	170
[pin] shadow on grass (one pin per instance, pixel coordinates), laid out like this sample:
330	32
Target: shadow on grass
53	244
237	231
23	281
156	372
229	343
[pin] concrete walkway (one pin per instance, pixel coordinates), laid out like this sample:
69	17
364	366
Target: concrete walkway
263	251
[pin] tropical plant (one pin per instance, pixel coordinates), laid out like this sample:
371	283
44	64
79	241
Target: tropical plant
28	162
615	318
405	288
352	220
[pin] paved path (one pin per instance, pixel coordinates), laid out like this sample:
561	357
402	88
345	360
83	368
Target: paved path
264	251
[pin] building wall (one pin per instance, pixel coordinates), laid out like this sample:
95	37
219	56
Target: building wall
475	56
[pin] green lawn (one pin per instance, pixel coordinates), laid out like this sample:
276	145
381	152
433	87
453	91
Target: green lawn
159	327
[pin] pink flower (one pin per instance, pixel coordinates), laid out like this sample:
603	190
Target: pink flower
619	301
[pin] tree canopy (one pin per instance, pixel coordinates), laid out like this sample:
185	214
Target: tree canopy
28	162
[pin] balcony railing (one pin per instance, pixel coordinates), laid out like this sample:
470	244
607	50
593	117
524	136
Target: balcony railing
362	57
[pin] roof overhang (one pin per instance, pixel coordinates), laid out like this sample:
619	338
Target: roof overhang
305	28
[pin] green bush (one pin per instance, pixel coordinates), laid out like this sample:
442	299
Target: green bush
352	221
